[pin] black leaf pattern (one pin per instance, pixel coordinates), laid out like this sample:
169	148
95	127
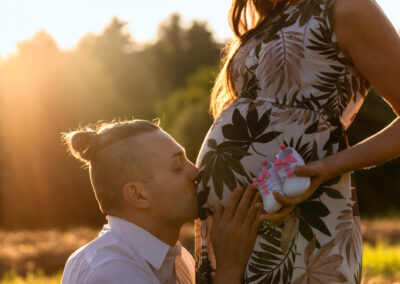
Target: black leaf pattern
270	263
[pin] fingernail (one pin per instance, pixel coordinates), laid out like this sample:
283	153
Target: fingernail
212	209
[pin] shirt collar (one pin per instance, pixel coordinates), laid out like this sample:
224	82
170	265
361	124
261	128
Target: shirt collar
148	246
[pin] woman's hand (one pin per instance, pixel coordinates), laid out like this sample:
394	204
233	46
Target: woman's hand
233	234
318	174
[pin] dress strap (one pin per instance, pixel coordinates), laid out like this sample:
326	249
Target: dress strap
333	38
329	3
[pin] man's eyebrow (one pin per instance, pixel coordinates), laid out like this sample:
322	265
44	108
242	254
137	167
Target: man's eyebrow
181	152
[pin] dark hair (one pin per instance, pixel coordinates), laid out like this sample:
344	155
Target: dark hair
246	18
113	157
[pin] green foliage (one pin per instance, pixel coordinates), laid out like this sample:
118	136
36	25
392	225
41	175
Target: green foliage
196	90
191	126
184	113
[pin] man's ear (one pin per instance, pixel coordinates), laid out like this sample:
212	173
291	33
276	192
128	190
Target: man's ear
136	194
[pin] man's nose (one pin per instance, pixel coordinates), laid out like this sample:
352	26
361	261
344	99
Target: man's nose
194	171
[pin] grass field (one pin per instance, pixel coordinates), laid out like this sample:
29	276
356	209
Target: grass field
381	263
32	278
36	257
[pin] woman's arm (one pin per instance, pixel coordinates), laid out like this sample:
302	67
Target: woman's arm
366	36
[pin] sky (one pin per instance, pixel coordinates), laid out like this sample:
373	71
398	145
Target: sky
67	21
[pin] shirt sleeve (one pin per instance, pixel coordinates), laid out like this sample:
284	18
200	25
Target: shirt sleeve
119	272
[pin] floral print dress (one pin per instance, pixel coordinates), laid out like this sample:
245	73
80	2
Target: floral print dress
295	87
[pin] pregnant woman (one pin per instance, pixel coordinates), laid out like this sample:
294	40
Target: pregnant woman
297	74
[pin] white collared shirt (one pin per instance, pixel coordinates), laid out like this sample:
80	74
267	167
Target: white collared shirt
125	253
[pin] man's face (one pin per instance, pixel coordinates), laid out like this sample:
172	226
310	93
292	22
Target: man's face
172	188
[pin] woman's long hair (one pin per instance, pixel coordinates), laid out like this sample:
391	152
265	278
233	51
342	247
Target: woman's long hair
246	18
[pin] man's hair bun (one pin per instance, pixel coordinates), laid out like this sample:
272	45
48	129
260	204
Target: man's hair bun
87	143
82	144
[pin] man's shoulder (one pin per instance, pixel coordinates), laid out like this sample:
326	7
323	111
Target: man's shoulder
120	271
106	247
81	261
87	252
116	271
99	258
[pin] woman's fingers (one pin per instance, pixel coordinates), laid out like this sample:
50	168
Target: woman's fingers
307	170
278	215
285	210
285	201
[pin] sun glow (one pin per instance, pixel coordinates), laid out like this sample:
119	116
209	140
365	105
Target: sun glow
69	20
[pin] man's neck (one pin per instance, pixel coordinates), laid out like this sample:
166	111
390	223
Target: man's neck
167	233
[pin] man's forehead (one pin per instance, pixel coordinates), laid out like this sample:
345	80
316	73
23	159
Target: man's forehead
161	143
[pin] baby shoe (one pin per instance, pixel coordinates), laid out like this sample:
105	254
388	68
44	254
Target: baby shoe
287	159
268	182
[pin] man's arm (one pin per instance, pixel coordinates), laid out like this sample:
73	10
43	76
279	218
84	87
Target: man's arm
233	234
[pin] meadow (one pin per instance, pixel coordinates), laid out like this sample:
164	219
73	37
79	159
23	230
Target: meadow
37	257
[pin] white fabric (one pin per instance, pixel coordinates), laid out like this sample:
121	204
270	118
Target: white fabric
125	253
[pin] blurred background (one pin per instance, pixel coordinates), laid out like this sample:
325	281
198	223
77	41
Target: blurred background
66	63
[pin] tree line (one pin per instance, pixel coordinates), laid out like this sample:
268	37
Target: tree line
45	91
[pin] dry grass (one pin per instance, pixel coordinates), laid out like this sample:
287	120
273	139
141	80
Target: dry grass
381	279
378	230
47	250
26	251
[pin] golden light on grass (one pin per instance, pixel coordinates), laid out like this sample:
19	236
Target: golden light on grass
381	262
27	252
32	278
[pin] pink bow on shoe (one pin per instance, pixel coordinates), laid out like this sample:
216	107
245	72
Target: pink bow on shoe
261	180
285	163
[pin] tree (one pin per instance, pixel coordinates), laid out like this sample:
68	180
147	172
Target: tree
179	52
202	49
185	112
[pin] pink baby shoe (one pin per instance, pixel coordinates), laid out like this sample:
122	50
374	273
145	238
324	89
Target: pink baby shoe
286	160
268	182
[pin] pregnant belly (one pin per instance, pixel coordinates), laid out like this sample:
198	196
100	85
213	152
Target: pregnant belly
233	151
249	132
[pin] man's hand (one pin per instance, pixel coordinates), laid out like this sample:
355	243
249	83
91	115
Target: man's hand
233	234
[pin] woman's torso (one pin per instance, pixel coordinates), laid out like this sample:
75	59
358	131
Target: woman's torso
293	86
294	79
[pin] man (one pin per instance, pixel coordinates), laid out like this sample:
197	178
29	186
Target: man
145	185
